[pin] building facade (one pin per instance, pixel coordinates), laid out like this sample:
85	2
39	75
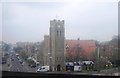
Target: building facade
56	49
46	50
77	50
57	37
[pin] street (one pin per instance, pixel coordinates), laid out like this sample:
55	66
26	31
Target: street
15	65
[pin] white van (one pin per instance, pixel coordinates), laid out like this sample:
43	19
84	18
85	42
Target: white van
43	69
77	68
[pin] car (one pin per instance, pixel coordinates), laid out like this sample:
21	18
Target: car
21	61
77	68
43	69
17	55
37	63
12	59
33	65
3	62
18	58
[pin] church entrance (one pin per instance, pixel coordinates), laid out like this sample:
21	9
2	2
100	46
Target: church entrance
58	67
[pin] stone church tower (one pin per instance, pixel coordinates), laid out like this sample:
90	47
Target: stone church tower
57	37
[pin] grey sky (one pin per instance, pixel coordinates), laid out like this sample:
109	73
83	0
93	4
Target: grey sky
29	21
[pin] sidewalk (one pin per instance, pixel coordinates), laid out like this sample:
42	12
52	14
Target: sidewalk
5	67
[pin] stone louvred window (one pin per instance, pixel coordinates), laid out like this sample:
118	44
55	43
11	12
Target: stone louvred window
57	33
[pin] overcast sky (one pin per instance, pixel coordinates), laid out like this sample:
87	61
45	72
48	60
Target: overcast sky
30	21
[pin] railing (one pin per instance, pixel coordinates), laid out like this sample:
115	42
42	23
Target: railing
51	74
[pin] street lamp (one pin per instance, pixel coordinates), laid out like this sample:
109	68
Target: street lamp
98	55
36	57
98	60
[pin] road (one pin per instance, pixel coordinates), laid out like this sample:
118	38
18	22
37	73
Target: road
15	65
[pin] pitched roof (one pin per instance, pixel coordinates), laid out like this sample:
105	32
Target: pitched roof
88	46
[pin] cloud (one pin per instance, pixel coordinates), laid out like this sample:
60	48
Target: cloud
30	21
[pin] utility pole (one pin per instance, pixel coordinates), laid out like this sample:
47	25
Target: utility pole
98	59
98	56
36	57
78	51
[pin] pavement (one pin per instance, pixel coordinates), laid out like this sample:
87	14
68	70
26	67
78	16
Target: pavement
5	66
15	65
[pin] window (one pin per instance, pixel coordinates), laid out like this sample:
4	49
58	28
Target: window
57	33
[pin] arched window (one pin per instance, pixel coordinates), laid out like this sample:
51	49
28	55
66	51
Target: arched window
57	33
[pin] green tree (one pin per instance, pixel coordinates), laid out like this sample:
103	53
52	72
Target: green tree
17	49
6	47
24	55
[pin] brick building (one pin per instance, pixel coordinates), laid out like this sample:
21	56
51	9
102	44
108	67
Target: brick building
79	48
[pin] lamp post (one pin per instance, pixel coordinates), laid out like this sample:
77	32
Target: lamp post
36	57
98	55
98	60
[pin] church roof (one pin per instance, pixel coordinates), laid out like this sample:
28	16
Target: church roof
88	46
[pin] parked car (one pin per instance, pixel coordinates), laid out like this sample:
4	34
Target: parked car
43	69
12	59
21	61
33	65
69	66
4	60
17	55
37	63
18	58
77	68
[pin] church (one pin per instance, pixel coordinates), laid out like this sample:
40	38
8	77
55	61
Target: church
53	53
56	50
